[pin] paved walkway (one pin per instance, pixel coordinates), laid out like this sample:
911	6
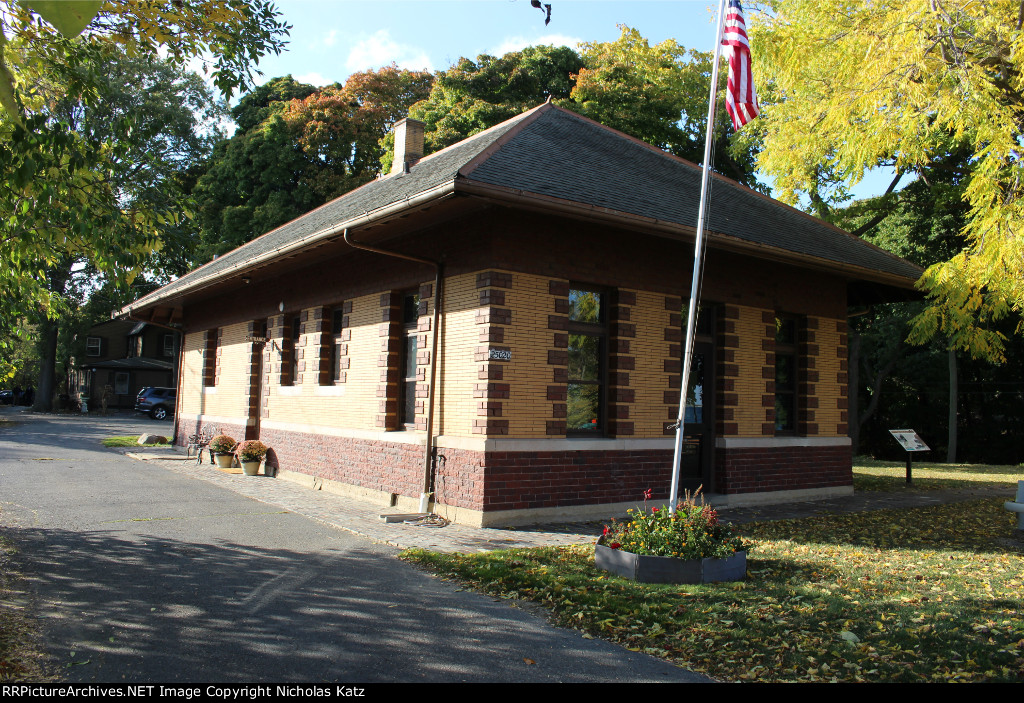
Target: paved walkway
143	571
363	518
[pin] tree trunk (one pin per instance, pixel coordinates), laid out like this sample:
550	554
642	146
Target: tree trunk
953	404
45	386
57	279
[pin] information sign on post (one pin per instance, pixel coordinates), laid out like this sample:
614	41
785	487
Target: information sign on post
911	442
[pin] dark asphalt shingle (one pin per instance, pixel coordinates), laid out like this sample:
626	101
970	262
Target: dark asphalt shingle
558	154
563	155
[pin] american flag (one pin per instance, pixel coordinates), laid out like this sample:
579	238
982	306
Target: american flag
741	98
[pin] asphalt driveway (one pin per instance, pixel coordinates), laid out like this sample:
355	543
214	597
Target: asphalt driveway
143	574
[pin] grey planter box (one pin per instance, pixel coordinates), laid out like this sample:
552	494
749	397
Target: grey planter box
645	569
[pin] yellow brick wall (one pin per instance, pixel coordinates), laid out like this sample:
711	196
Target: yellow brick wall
649	379
352	404
749	413
829	366
229	397
459	370
191	391
528	373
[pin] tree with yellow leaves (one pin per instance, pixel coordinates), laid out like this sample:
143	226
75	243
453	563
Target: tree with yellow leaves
905	83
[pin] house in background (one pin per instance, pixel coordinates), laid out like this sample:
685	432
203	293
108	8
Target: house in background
497	328
128	356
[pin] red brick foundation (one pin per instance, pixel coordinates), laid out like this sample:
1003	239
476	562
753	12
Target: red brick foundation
530	480
496	481
760	469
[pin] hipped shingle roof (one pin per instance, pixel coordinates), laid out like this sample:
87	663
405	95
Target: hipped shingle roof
558	157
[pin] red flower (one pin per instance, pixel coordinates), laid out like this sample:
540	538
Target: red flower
647	494
614	545
654	510
606	531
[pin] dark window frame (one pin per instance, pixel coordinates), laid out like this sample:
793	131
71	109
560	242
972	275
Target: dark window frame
598	329
787	397
210	357
334	342
408	364
292	336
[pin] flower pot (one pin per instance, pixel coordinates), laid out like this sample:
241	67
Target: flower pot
647	569
251	468
224	461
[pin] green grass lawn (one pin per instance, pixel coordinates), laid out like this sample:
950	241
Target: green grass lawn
922	594
129	441
879	475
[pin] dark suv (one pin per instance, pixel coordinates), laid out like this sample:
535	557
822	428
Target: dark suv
158	402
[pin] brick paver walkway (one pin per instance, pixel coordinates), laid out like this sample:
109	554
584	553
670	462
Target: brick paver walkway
363	518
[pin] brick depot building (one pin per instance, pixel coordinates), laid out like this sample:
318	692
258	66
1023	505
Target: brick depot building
544	384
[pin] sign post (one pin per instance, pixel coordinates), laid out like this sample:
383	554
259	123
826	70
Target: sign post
911	442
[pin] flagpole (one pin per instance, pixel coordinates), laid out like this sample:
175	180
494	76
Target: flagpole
698	256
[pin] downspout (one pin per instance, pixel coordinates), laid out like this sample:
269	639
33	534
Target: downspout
428	458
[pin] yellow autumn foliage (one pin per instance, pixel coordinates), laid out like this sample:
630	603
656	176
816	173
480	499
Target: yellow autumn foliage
895	82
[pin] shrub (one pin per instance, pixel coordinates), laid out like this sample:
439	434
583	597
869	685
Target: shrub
691	532
222	444
252	450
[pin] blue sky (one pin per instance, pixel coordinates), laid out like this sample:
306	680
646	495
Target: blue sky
330	39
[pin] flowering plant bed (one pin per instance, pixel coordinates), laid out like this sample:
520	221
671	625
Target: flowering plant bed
688	545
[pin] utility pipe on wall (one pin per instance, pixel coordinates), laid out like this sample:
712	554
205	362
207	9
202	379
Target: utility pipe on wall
428	463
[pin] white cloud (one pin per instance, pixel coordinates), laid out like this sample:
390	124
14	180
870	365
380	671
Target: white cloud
379	49
518	43
313	78
331	39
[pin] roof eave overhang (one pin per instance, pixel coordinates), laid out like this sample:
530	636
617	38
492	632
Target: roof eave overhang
378	216
673	230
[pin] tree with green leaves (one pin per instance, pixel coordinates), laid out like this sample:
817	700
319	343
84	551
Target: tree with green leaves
163	122
472	96
298	147
59	193
660	94
906	84
655	93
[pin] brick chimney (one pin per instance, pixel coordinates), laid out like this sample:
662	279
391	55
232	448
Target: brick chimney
408	144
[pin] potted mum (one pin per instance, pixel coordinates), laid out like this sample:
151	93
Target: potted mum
222	448
250	454
687	546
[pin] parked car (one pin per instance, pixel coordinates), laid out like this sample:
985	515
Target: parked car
158	402
7	397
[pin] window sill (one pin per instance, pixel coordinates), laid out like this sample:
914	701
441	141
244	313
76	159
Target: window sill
328	391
